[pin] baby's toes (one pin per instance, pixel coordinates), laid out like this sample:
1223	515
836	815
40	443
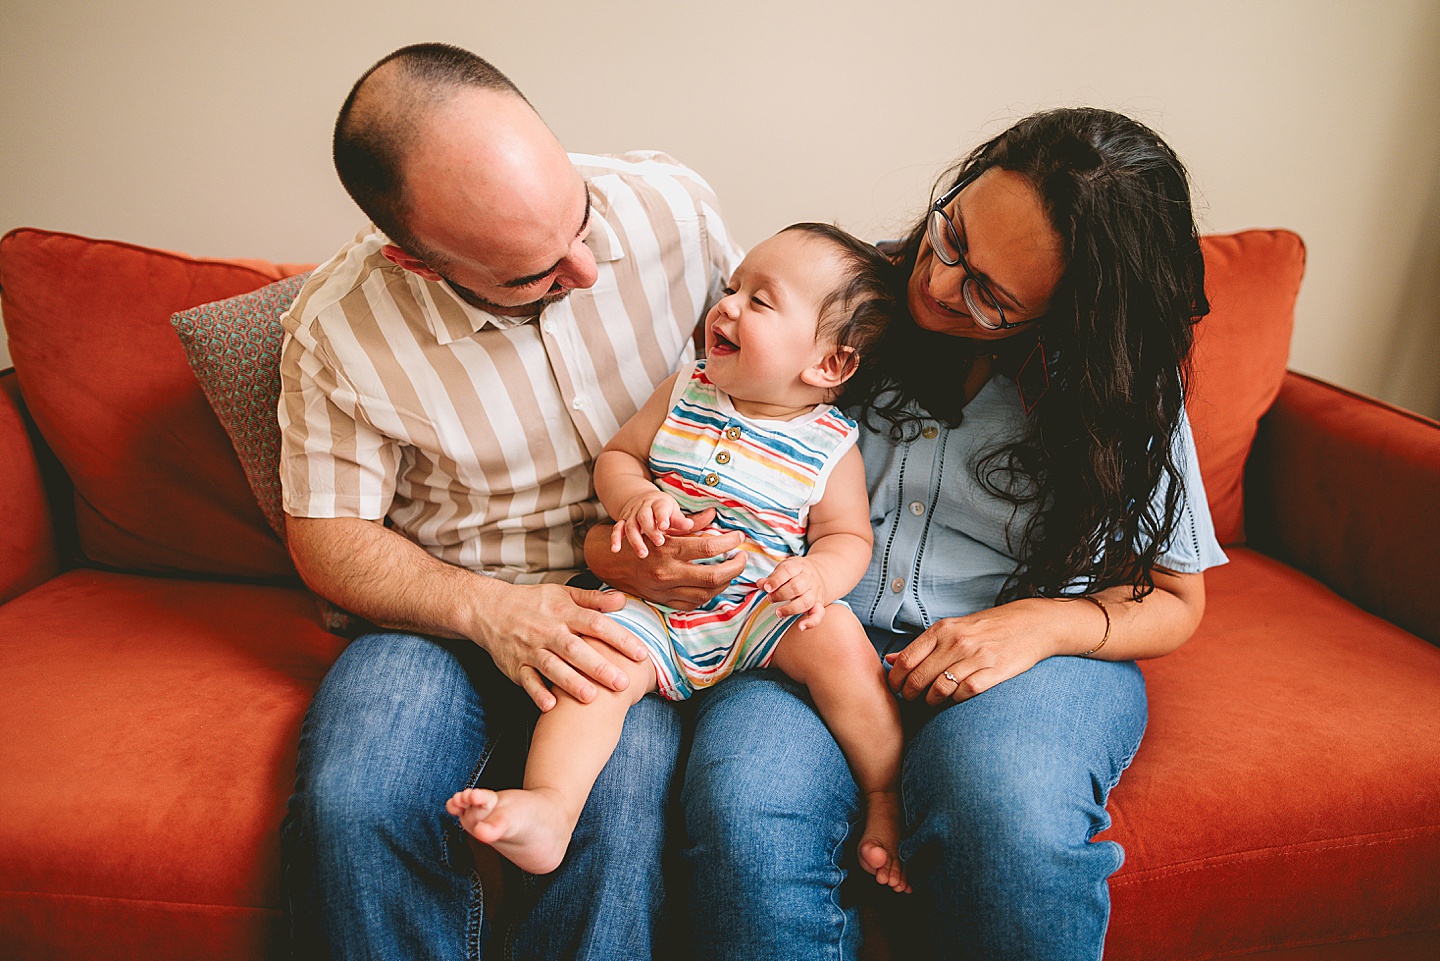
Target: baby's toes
899	883
874	858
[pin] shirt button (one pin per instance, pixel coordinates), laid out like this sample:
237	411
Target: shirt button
897	585
549	326
732	433
712	479
578	403
917	508
723	457
929	432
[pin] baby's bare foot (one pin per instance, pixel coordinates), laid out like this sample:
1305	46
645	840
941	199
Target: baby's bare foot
530	828
880	844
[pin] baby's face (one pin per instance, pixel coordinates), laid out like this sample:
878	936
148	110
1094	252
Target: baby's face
760	338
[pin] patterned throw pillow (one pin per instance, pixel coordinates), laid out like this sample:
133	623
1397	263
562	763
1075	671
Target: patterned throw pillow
234	349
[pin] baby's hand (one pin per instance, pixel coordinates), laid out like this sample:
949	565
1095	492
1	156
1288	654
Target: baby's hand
651	514
797	582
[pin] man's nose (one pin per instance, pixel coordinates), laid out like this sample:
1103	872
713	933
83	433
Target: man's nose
578	271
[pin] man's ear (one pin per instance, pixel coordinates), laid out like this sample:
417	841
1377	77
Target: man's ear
415	265
834	369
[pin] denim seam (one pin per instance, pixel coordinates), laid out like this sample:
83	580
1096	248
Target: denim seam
476	909
471	782
474	920
834	899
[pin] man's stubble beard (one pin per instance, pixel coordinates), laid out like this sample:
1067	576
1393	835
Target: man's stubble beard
515	310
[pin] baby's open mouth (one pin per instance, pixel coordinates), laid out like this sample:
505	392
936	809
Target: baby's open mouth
724	344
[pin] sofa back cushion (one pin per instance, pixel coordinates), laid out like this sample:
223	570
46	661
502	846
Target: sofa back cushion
28	555
1251	279
234	350
157	485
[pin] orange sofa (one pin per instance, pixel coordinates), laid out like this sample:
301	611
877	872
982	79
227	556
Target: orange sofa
157	654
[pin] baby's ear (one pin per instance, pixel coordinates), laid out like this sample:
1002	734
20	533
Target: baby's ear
834	369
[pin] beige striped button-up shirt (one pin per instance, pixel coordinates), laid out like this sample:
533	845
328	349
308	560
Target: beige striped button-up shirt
475	434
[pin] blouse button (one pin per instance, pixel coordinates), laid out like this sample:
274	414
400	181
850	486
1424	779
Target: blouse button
930	432
897	585
917	508
732	433
723	457
712	479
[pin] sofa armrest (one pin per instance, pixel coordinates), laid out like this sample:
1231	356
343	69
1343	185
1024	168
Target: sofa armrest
1347	489
30	552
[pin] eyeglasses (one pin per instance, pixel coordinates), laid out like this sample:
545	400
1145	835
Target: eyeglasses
945	241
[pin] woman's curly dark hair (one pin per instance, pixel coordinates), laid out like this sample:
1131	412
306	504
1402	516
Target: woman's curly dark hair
1120	327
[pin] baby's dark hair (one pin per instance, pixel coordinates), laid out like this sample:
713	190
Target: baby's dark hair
856	313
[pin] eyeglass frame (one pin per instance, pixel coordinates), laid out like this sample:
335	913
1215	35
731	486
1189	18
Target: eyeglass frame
937	214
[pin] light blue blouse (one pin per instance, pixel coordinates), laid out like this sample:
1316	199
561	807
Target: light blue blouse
941	547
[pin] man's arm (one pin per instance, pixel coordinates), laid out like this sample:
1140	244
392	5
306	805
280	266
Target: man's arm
533	632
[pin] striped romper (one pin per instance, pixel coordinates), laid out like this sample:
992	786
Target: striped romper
762	477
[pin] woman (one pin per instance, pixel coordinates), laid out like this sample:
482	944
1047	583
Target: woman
1039	524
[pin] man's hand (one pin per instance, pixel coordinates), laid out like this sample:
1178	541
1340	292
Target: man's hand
651	514
533	633
539	632
669	574
798	582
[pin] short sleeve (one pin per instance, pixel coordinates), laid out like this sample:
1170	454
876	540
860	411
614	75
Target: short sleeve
822	482
724	254
332	462
1194	547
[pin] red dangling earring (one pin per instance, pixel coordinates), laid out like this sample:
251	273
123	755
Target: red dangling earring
1033	377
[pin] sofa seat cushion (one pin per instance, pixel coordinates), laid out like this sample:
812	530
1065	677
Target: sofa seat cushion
1287	791
150	734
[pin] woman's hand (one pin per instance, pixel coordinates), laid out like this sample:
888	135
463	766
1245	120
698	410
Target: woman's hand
669	575
979	650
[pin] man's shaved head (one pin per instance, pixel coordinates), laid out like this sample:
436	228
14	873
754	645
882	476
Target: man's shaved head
383	118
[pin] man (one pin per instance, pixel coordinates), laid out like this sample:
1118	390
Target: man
449	378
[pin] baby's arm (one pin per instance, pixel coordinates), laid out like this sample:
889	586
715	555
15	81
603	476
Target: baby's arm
624	485
840	542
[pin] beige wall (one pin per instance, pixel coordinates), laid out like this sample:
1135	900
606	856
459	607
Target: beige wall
204	127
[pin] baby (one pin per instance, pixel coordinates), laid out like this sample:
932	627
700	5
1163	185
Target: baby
749	431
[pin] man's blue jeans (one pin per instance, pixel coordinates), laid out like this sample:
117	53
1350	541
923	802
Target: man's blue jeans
1002	794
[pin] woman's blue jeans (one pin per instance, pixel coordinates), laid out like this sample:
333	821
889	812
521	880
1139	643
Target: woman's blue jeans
1002	794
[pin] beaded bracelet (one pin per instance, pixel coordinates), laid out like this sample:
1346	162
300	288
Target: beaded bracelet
1096	602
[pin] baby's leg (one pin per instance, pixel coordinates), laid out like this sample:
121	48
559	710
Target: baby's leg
836	661
572	742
